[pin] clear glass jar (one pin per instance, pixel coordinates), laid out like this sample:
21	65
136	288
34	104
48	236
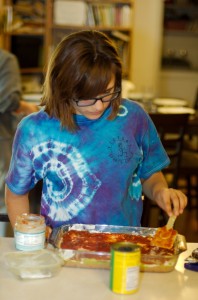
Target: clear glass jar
29	232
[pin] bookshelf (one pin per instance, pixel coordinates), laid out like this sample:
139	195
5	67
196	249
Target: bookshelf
33	29
114	17
24	35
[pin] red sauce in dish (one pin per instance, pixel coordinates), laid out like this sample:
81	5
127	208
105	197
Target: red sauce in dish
101	242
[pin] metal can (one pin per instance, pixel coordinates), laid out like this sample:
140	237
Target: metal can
29	232
125	268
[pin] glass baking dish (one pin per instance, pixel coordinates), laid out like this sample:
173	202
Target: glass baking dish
90	259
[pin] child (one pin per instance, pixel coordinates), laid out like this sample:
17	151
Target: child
95	152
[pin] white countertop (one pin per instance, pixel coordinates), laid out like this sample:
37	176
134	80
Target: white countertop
93	284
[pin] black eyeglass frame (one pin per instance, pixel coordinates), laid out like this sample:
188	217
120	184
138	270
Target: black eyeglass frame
95	99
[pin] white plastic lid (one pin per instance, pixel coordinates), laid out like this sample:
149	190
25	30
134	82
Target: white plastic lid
32	265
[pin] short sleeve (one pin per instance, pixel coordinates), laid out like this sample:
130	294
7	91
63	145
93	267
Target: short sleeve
155	157
20	177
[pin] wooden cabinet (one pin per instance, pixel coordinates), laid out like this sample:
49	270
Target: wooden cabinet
180	45
181	17
34	28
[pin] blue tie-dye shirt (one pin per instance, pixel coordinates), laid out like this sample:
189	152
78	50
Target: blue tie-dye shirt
92	176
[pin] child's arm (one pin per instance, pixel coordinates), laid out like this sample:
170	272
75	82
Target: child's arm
172	201
15	204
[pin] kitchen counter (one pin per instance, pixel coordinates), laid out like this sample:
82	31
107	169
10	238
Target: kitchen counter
93	284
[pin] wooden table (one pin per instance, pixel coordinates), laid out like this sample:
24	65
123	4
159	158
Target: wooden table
93	284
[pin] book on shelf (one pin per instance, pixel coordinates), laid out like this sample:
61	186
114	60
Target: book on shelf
70	12
127	15
109	14
120	35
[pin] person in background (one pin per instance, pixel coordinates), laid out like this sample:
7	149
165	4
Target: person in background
10	86
95	152
12	109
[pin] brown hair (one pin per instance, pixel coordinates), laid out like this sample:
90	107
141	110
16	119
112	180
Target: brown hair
81	66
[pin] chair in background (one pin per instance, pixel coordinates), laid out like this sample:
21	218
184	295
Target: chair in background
188	177
196	101
191	140
189	162
171	129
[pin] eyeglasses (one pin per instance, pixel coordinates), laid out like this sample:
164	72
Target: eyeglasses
104	98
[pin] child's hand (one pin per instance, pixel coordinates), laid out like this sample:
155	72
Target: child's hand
172	201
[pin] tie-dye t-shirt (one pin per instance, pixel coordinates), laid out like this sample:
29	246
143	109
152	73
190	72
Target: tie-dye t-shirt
91	176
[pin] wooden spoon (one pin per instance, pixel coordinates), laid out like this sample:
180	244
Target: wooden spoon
171	222
165	236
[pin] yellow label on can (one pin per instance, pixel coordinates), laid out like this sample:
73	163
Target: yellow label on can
125	266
